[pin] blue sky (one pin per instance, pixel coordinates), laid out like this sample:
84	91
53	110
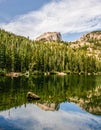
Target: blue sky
11	8
72	18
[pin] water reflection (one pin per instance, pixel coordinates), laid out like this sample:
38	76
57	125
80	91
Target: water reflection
32	117
52	111
48	106
83	90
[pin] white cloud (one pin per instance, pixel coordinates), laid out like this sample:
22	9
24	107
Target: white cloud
65	16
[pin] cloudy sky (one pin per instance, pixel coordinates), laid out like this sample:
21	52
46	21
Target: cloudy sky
31	18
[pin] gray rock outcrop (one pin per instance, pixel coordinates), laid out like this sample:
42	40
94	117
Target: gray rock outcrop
92	35
49	36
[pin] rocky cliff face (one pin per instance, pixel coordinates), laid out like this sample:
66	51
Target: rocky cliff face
90	42
49	36
96	35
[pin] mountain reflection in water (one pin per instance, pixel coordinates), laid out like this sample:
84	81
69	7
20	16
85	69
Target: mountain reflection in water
48	106
56	109
31	117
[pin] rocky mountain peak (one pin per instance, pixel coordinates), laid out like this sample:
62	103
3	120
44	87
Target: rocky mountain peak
92	35
50	36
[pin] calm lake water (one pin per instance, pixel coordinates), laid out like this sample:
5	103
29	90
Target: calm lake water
67	103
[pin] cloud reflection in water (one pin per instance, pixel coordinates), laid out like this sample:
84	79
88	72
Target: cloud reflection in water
31	117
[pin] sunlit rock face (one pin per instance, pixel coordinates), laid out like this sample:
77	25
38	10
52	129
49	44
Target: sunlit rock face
91	43
92	35
49	36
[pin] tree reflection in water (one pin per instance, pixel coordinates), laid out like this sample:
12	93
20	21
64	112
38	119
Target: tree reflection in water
83	90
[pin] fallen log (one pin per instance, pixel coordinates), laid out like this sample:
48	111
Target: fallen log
33	96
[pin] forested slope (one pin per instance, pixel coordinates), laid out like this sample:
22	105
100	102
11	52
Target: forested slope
19	54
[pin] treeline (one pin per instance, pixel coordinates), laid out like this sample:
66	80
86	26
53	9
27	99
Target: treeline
21	54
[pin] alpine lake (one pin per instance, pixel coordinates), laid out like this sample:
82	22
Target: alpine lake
69	102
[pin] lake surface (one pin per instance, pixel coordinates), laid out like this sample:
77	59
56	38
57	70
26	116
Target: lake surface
67	103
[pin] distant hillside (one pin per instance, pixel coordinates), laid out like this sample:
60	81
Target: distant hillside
20	54
91	43
95	35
